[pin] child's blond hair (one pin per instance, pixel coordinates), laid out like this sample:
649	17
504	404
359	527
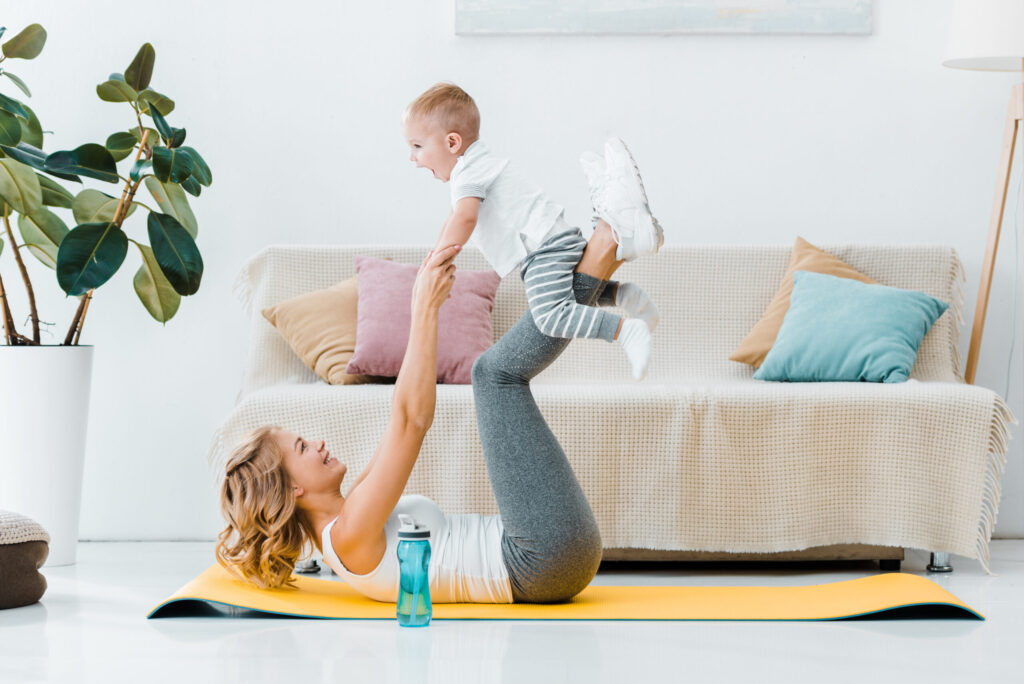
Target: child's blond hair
449	107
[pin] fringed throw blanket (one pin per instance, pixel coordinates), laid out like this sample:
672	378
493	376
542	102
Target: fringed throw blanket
699	456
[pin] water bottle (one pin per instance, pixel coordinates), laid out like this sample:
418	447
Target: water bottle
414	608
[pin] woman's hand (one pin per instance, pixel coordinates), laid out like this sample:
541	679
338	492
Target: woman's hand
434	279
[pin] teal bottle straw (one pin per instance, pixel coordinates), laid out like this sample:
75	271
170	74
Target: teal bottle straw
414	608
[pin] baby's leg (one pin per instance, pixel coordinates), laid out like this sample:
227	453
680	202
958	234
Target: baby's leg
607	297
548	278
628	296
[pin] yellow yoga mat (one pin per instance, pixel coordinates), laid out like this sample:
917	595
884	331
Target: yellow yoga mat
895	594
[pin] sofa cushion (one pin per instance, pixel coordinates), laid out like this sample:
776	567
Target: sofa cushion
321	327
24	546
838	329
385	295
805	257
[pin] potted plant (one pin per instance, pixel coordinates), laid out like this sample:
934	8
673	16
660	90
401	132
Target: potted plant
44	388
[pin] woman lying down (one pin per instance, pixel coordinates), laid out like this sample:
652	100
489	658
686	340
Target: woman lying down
282	490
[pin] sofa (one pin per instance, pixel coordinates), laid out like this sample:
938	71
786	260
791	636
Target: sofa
699	461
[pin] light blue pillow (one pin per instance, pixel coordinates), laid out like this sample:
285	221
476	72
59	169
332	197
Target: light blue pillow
839	329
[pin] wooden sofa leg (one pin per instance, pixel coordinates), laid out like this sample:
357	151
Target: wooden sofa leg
940	562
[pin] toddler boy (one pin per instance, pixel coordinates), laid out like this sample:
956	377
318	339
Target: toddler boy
498	210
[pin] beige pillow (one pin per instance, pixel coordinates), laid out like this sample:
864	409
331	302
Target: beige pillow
320	327
805	257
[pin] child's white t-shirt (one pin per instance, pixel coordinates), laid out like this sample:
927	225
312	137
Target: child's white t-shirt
515	215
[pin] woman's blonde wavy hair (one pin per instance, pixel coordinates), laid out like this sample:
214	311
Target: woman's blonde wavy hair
266	531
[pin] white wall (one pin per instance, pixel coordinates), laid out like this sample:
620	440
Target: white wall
296	106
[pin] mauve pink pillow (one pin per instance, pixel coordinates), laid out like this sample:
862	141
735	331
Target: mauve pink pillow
384	318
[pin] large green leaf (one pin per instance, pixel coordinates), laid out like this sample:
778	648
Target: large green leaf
18	82
26	154
54	194
19	186
173	165
156	294
177	137
116	91
27	44
10	129
9	104
176	252
90	159
172	201
160	102
191	186
120	144
93	206
36	158
161	125
139	72
200	171
43	232
89	255
31	129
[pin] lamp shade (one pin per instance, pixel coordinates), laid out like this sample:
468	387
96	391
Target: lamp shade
987	35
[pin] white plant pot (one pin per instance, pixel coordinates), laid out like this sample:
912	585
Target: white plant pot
44	410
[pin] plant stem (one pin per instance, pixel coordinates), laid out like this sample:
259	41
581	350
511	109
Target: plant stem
75	327
119	215
8	319
24	277
78	333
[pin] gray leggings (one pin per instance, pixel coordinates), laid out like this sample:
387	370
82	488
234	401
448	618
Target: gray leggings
551	544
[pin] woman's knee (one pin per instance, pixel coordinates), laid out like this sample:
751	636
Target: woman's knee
485	368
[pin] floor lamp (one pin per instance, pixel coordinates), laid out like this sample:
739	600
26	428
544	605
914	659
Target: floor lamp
988	35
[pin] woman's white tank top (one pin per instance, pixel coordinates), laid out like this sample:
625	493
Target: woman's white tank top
465	556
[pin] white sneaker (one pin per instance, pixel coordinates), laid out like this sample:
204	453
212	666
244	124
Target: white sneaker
618	195
594	169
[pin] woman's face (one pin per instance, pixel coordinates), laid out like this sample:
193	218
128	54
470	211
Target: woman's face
310	464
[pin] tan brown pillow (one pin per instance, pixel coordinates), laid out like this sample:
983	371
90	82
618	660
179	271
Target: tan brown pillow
320	327
805	257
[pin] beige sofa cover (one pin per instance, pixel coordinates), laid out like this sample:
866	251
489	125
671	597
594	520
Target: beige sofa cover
699	456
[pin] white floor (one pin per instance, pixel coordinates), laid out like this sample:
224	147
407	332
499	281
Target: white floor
91	627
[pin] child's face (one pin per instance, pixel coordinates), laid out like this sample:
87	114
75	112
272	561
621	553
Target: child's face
430	147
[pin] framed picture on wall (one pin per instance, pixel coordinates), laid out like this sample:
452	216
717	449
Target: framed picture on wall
495	17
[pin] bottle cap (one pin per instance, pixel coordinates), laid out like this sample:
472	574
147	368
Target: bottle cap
410	529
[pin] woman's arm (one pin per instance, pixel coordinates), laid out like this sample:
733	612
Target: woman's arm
412	408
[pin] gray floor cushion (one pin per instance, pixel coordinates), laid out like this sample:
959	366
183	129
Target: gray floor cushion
24	546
